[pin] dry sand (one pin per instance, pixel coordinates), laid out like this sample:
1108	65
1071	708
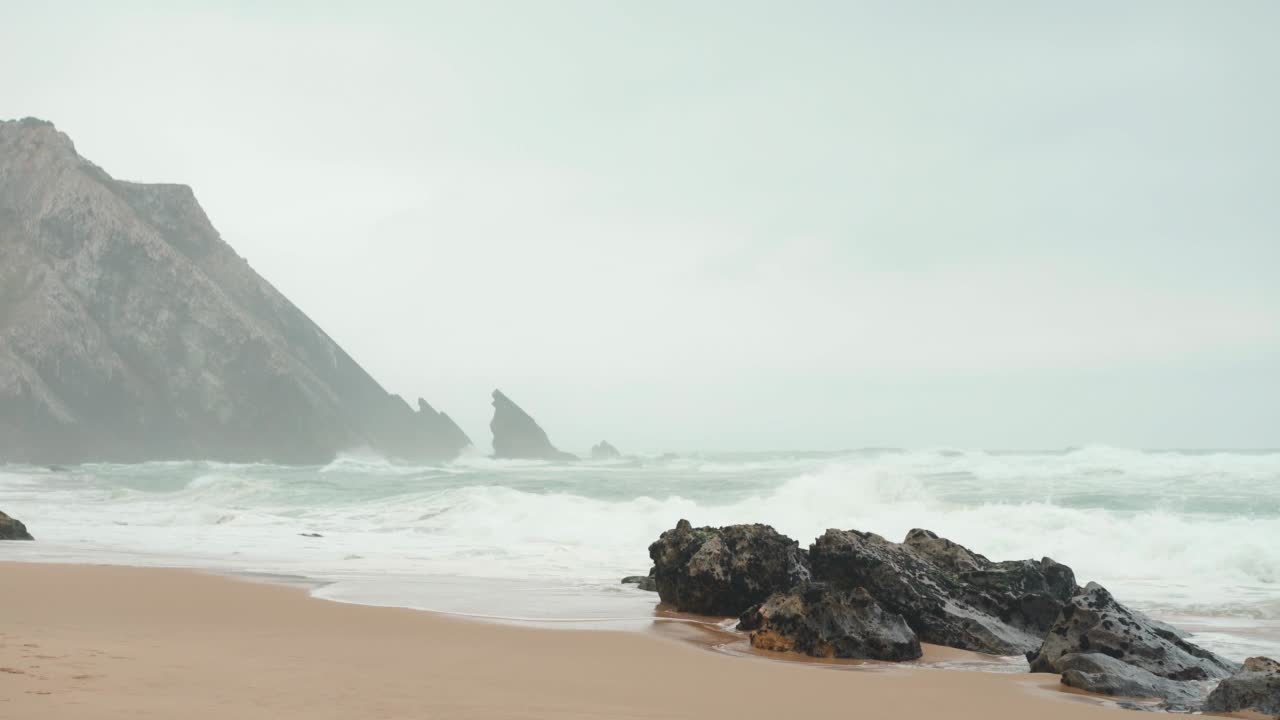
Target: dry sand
114	642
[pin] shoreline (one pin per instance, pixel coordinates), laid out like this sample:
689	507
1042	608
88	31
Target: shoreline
100	641
711	633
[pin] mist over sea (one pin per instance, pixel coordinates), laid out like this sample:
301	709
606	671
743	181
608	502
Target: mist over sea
1190	536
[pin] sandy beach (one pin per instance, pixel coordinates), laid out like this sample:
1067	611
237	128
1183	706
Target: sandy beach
119	642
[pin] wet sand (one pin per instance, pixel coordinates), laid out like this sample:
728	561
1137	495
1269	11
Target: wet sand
118	642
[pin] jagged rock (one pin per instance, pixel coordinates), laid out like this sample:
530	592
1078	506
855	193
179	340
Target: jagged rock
130	331
1093	622
439	423
1025	593
724	571
516	435
644	582
948	594
604	451
823	621
12	529
1255	687
1105	675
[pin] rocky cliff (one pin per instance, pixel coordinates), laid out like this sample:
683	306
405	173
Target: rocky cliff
517	435
130	331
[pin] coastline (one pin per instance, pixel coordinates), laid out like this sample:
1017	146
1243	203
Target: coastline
87	641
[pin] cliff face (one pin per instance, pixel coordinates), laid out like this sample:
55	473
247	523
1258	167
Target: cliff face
517	435
130	331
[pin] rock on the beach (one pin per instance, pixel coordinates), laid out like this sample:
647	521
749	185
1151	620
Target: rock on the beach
1025	593
516	435
1105	675
1093	622
823	621
604	450
1255	687
12	529
644	582
723	571
948	594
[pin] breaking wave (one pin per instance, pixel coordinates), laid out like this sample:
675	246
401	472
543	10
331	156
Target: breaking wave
1179	533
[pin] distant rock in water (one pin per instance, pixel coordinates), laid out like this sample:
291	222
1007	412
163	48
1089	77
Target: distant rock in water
440	423
820	620
604	451
130	331
12	529
517	436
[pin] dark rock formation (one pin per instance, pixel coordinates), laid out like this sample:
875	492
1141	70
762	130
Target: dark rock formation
948	594
820	620
724	571
645	582
1027	593
130	331
1256	687
1093	622
604	451
517	435
1105	675
12	529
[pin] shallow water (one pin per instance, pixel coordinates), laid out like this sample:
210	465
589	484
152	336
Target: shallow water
1193	536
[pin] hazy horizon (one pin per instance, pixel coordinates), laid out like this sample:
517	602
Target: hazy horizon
730	226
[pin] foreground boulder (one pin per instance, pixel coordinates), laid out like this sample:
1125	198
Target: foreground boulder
1025	593
517	436
820	620
723	571
948	594
1255	687
604	451
12	529
1105	675
1093	622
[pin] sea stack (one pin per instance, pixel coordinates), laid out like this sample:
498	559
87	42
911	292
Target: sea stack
517	436
131	331
604	450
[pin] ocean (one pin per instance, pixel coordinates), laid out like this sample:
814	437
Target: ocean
1192	537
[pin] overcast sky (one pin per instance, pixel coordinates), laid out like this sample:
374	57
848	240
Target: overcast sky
729	225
